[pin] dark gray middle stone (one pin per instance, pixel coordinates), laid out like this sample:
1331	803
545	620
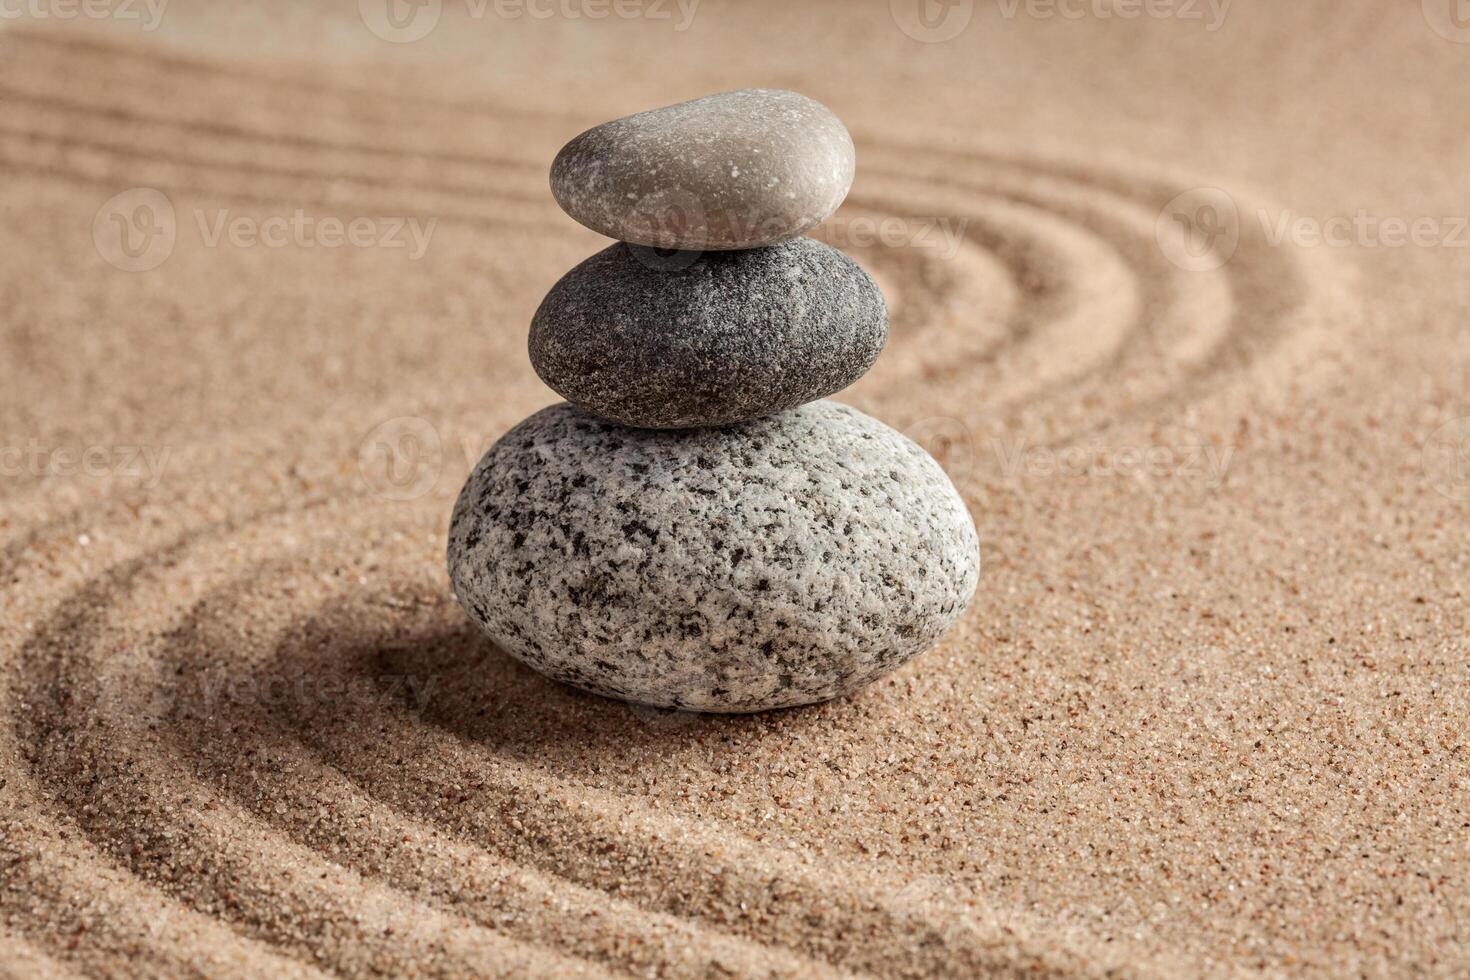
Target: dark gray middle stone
676	341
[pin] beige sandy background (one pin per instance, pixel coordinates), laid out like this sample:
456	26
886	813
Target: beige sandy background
1206	716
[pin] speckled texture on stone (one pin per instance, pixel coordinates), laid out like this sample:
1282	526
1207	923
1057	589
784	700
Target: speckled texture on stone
736	170
774	563
735	336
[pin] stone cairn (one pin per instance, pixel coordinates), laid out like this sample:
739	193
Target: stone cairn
694	528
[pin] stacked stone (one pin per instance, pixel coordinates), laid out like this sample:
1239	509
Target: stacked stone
695	528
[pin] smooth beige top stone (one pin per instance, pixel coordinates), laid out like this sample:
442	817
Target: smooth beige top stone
736	170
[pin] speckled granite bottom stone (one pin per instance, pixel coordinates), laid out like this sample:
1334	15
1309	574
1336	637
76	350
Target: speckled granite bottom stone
774	563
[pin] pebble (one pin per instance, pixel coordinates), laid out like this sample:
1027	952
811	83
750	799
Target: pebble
737	170
734	336
775	563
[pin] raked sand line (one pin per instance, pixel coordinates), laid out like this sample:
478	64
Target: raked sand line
1111	314
126	720
1079	298
365	835
204	851
109	917
154	71
1198	328
1097	339
931	296
1112	325
208	840
230	156
33	144
113	171
44	116
49	108
64	884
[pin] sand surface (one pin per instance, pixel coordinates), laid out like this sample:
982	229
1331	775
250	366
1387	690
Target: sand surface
1206	716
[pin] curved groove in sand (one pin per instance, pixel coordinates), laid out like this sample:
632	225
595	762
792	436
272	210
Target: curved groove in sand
191	843
1194	329
321	851
48	158
141	784
1078	297
1062	228
245	173
52	108
157	61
